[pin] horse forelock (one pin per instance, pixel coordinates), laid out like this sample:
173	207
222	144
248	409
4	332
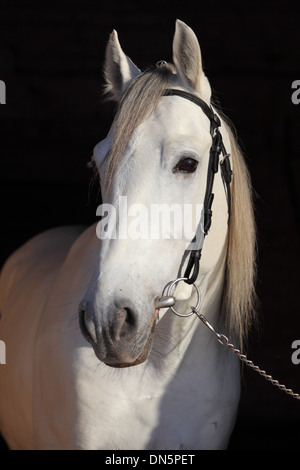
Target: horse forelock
138	102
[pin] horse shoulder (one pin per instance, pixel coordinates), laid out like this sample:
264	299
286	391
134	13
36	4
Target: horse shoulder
42	254
25	282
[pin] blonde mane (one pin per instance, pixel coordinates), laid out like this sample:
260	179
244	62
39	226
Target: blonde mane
239	298
137	103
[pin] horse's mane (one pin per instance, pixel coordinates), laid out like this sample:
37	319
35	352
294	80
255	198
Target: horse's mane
239	299
137	103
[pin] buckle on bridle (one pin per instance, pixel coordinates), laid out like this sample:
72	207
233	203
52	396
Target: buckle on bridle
226	168
193	264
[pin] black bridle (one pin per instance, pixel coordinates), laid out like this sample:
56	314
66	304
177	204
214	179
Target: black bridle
216	149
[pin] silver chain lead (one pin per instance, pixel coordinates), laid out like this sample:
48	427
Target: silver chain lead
225	342
168	301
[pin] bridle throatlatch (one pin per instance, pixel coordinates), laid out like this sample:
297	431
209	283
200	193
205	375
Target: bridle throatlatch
217	147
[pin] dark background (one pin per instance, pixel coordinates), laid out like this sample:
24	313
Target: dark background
51	54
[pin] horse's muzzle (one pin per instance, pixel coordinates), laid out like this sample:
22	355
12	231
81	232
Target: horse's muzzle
120	338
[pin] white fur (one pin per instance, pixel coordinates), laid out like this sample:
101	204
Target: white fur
54	392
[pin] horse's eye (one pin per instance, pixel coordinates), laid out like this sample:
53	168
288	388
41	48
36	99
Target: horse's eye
186	165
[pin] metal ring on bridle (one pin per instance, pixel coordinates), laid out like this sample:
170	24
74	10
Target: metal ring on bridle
197	303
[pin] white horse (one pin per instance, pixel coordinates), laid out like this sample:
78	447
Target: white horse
67	382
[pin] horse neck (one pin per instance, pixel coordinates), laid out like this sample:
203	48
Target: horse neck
211	288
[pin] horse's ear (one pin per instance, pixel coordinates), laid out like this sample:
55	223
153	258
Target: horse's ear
118	68
188	62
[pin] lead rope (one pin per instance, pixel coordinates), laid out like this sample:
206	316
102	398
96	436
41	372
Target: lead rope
169	301
242	357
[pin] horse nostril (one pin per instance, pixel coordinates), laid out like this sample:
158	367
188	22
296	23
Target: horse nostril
125	323
83	326
130	319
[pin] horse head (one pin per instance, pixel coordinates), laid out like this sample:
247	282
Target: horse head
153	166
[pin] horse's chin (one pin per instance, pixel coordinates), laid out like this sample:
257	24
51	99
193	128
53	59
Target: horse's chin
121	365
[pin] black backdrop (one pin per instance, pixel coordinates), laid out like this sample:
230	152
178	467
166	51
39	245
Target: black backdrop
51	54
